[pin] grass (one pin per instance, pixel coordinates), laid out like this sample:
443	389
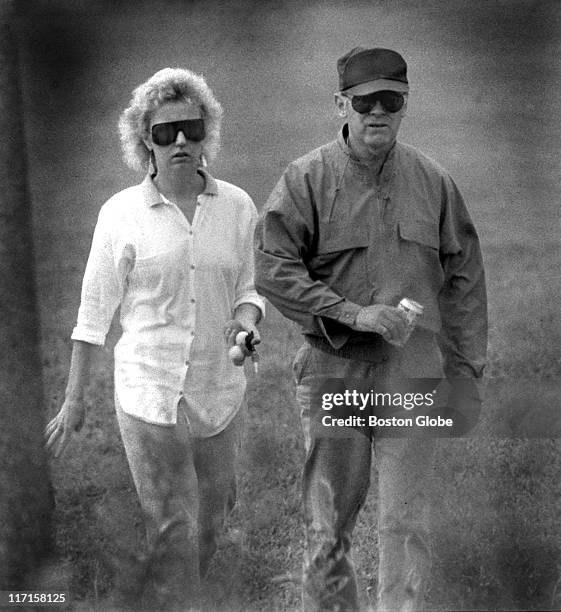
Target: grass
495	524
496	528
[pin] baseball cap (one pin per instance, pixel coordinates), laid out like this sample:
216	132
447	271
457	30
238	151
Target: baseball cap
363	71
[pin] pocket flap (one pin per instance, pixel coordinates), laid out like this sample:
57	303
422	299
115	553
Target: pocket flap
421	232
336	237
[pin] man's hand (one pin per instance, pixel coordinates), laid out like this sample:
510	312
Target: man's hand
388	321
70	419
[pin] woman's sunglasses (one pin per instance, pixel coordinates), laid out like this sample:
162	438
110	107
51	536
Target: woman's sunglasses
164	134
392	101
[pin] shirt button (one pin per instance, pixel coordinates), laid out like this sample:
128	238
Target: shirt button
192	267
190	232
192	300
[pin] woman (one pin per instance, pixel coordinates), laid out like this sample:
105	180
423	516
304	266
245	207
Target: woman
175	253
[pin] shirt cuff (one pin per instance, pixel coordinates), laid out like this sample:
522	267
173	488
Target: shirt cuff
346	313
91	336
256	300
337	326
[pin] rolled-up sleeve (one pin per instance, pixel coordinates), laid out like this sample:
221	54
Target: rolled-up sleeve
283	240
245	284
463	298
102	286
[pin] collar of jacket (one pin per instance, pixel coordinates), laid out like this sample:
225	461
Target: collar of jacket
360	167
343	139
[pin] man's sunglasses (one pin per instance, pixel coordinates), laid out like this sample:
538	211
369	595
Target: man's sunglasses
392	101
164	134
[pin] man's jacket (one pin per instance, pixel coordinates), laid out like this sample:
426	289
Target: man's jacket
333	237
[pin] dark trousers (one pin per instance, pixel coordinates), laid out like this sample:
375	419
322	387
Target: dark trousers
336	480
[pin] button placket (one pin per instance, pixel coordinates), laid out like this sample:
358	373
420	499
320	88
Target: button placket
191	305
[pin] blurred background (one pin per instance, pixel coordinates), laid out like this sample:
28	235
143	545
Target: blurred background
484	103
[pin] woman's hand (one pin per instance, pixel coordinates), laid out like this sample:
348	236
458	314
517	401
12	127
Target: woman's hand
69	419
72	415
233	327
245	318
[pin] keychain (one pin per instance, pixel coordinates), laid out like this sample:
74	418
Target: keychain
243	348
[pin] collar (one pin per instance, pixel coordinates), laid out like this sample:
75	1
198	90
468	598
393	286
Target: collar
152	197
343	139
364	166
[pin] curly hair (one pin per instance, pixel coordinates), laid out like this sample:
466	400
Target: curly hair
169	84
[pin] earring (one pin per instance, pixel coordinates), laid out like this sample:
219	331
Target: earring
152	170
343	109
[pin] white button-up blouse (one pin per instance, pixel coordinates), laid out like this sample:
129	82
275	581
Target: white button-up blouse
177	284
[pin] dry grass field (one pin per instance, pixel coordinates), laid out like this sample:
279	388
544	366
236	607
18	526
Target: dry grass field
484	103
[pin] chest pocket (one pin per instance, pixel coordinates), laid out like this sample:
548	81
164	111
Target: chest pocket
159	278
335	238
420	232
341	259
419	245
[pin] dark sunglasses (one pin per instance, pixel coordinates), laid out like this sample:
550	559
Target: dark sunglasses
164	134
392	101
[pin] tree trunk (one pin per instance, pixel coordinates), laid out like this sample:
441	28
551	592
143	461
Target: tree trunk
25	492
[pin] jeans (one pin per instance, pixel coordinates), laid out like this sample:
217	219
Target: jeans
336	479
186	487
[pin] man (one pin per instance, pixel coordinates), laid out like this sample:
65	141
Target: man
349	230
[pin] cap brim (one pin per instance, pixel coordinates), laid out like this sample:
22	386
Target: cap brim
364	89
